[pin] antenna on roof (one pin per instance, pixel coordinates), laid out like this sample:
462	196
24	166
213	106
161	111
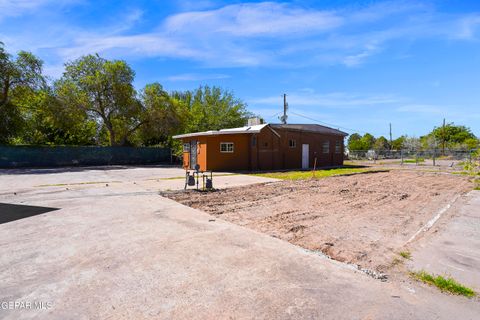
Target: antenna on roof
285	107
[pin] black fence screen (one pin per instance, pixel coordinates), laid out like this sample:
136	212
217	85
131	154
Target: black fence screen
29	156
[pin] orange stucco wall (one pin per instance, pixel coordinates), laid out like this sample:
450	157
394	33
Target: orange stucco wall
209	156
264	151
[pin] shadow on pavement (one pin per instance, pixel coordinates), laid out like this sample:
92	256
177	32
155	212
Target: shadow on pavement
12	212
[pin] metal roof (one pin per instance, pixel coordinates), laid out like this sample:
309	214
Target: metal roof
246	129
257	128
310	127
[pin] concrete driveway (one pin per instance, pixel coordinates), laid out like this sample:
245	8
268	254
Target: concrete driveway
453	246
123	252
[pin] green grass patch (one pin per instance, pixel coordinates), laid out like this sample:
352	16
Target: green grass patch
444	284
324	173
413	160
405	254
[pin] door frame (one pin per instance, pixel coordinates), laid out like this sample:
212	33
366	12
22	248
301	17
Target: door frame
193	149
305	156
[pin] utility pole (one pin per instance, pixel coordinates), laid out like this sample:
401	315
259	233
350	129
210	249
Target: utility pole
390	136
443	137
285	107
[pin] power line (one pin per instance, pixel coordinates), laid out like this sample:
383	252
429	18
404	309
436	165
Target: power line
331	125
273	116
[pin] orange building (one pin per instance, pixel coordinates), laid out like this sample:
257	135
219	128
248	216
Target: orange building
264	147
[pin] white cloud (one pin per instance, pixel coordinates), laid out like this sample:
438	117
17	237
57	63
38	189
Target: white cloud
21	7
424	109
468	27
334	100
359	58
248	34
143	45
254	19
196	77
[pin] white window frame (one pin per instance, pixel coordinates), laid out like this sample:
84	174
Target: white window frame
326	147
186	147
229	147
292	145
338	147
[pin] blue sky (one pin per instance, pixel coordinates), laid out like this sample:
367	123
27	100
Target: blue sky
358	65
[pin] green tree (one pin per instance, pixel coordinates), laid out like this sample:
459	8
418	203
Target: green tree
212	108
367	141
398	143
354	142
103	91
20	81
454	136
165	116
381	144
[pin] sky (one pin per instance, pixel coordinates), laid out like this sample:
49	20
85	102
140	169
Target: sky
354	65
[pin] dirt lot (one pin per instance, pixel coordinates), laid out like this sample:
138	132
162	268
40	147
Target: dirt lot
363	219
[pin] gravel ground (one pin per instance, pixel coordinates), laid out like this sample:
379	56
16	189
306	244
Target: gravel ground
363	219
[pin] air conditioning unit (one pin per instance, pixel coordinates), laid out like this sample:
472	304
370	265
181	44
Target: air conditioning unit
254	121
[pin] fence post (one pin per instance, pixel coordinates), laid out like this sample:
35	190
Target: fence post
434	157
401	155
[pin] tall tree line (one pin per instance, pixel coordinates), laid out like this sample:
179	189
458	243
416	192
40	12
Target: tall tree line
96	103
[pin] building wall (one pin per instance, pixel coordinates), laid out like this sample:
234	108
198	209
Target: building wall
266	154
221	161
265	151
292	157
209	156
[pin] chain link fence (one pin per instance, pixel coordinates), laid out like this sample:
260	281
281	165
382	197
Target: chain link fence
412	156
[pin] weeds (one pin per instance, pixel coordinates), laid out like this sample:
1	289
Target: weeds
414	160
323	173
444	284
396	262
405	254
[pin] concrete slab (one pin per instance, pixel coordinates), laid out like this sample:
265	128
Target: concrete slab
154	178
455	248
124	252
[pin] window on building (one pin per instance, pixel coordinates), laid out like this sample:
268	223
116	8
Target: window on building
254	141
338	147
226	147
186	147
292	143
326	147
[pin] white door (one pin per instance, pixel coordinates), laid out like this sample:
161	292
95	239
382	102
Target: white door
305	164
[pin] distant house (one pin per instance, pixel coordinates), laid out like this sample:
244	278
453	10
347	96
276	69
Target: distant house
264	147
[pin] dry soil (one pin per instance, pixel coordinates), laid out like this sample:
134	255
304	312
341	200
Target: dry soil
363	219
